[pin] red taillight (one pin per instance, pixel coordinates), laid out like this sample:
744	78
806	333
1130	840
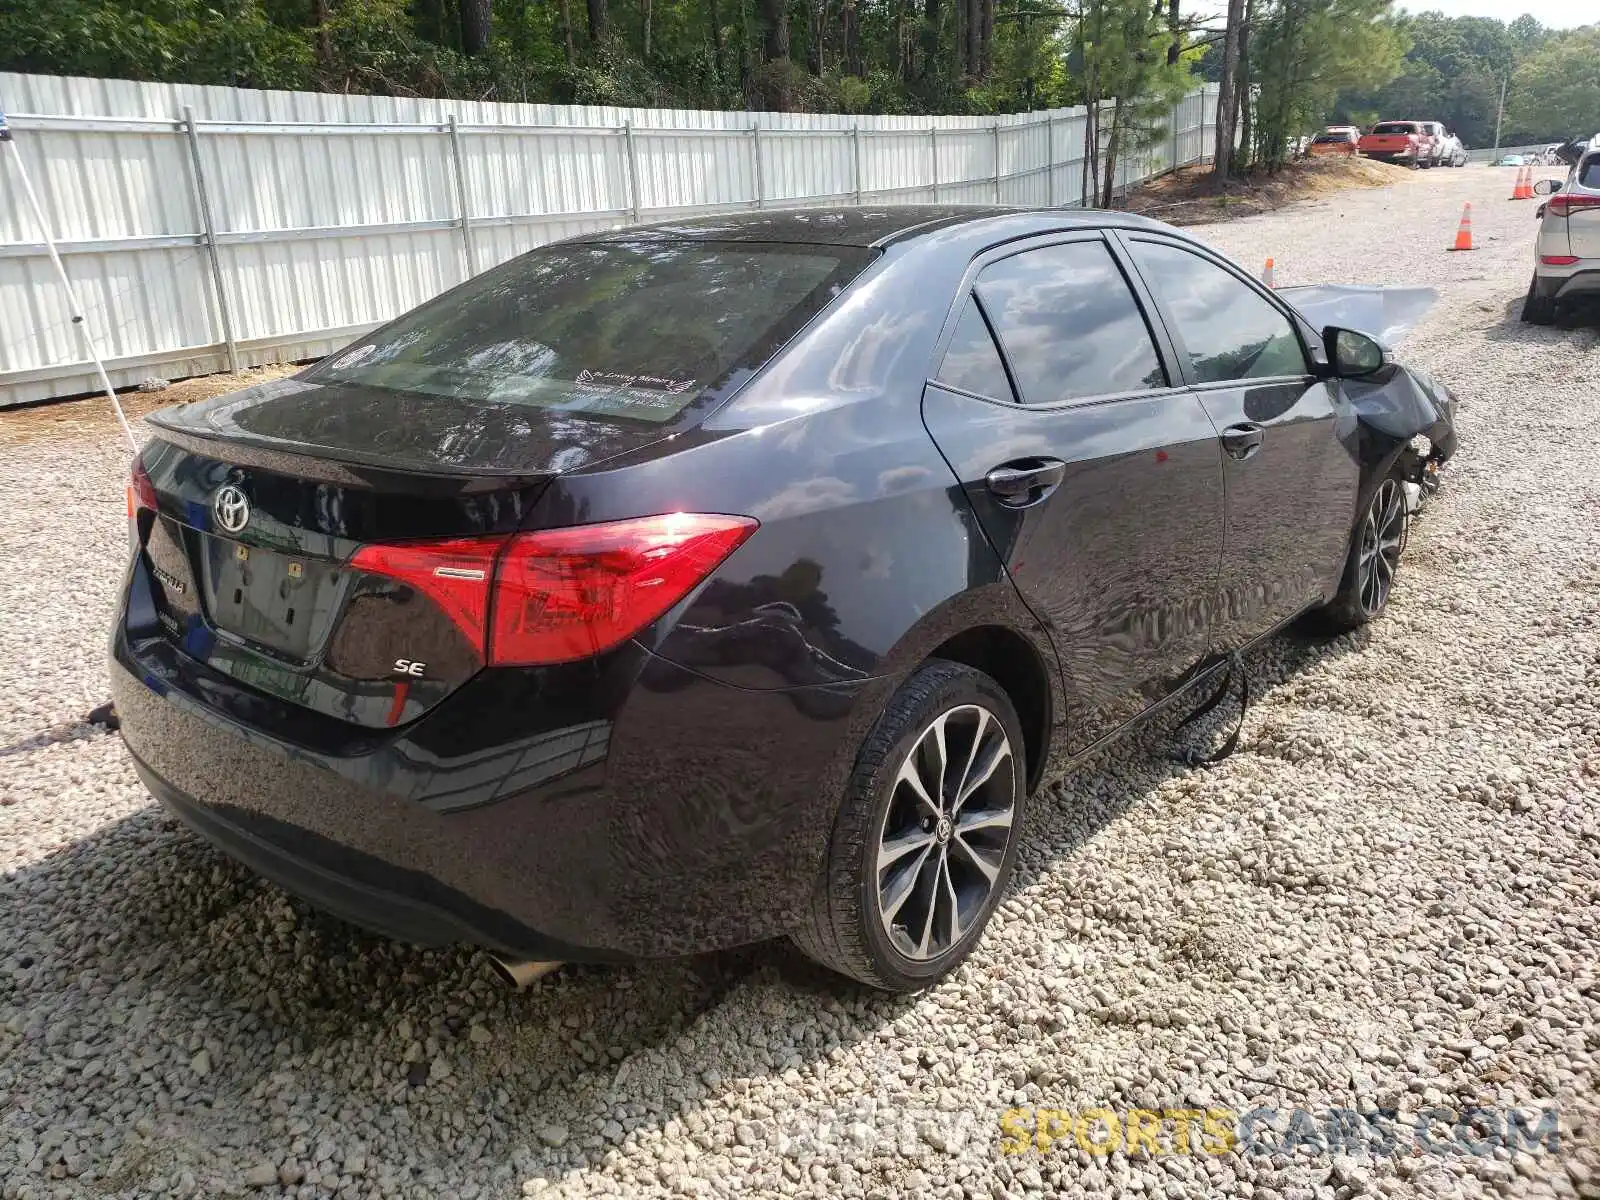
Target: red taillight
141	494
455	573
1562	205
562	594
1558	260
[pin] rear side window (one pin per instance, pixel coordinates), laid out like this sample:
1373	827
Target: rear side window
1230	331
972	361
1070	324
633	330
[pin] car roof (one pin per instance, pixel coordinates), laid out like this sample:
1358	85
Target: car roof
869	226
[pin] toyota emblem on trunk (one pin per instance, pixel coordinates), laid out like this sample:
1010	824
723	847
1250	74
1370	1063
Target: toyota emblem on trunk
230	508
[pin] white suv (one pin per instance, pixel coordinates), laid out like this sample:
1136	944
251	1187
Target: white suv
1447	148
1566	259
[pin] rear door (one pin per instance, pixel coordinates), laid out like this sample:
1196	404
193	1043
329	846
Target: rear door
1290	481
1096	476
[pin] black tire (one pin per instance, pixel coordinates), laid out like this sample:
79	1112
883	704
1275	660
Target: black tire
1537	309
844	929
1357	600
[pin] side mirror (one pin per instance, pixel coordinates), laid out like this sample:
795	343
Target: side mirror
1545	187
1352	354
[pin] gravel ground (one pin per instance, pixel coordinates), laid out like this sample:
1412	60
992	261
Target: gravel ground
1389	898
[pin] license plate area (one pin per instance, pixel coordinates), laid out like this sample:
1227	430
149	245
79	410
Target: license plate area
281	602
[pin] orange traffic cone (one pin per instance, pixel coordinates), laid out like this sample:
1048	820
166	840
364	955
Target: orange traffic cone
1267	275
1464	230
1524	188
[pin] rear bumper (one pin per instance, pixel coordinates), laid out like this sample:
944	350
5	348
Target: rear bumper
691	815
404	905
1394	156
1566	283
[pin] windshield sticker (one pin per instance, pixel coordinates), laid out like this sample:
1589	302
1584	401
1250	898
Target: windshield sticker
351	357
615	379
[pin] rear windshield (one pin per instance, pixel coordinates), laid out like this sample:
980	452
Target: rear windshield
1589	172
634	330
1323	139
1394	127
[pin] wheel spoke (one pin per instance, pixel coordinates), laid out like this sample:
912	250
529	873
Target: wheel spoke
932	890
953	925
1391	509
991	762
912	778
894	849
994	819
989	867
972	754
894	898
944	759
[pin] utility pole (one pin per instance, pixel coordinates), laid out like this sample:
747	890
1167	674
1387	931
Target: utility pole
1501	111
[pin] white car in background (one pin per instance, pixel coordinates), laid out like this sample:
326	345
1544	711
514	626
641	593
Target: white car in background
1447	148
1566	258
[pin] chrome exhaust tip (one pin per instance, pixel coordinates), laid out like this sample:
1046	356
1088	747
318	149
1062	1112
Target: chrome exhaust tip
520	974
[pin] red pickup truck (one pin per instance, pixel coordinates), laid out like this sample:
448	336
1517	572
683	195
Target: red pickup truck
1405	142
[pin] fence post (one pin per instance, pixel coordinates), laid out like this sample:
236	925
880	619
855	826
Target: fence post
755	144
997	162
468	256
933	161
855	143
203	203
633	171
1050	157
1177	109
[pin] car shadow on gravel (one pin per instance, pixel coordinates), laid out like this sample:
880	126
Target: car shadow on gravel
1571	318
145	976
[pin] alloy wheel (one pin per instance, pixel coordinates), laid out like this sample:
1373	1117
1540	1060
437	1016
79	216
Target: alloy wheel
1383	532
945	832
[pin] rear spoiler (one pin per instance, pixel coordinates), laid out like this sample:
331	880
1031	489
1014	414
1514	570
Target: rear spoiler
1387	314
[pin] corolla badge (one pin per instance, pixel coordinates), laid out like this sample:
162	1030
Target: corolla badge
230	508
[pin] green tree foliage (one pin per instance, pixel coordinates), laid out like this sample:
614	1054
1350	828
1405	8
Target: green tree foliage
906	56
1555	92
1455	68
1119	51
1303	54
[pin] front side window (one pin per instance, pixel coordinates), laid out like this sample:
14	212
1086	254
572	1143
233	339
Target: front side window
635	330
1070	324
1230	331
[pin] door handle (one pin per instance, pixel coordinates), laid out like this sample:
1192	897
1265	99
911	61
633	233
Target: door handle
1242	440
1026	480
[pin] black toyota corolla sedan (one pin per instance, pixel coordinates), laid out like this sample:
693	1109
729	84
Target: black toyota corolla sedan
690	585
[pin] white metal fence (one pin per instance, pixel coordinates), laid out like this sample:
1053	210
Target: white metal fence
208	227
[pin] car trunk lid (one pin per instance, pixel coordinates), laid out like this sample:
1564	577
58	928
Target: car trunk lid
251	561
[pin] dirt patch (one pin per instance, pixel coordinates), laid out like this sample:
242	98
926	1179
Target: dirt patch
1184	197
91	416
